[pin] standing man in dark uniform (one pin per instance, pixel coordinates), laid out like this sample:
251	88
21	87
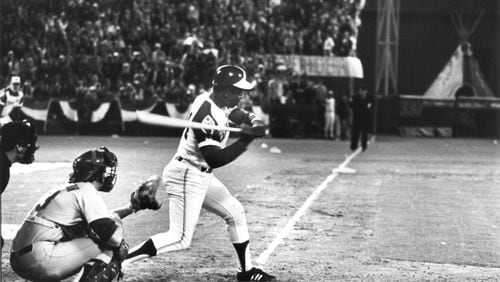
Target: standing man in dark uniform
343	113
361	104
18	144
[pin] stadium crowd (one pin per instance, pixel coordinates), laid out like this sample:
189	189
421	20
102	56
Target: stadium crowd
139	50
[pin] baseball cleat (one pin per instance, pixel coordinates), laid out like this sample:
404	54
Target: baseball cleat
254	274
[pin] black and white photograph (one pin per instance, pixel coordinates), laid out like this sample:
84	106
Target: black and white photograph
249	140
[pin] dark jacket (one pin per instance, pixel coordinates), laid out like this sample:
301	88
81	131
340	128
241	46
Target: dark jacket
5	165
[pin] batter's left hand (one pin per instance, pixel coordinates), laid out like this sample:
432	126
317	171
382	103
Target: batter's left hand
254	131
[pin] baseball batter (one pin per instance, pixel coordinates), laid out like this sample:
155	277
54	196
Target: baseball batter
10	97
188	177
70	227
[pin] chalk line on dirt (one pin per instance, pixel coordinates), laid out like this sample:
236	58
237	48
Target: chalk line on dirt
261	260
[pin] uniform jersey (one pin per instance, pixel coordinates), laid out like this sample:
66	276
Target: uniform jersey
54	242
191	187
5	165
71	207
9	100
330	105
203	110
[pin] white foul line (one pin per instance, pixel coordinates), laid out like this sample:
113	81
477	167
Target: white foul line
261	260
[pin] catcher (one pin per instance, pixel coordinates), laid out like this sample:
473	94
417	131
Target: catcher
188	177
70	229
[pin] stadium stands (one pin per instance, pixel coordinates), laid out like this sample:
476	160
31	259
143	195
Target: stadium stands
139	50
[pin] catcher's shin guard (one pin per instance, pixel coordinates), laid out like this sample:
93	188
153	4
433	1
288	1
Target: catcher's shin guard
99	271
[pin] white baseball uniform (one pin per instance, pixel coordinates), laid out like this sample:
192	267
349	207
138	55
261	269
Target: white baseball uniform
9	101
53	242
191	185
329	117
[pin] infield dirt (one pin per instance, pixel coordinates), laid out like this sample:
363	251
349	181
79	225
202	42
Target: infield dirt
416	209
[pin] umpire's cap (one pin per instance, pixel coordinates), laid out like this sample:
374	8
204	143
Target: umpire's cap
21	133
232	75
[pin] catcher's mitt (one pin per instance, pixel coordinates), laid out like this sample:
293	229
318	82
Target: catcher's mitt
144	197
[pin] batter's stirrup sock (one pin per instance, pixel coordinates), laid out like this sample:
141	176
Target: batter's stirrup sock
240	251
148	248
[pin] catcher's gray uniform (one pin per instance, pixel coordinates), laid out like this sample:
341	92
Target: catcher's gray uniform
53	241
71	228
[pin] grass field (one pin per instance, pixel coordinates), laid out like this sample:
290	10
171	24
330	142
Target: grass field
415	209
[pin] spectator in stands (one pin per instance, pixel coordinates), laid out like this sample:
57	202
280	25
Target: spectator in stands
345	45
79	39
112	68
329	45
126	74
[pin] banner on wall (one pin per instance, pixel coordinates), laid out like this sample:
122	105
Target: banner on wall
324	65
128	112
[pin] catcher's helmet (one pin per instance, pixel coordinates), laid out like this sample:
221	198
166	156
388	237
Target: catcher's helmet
21	136
232	75
96	164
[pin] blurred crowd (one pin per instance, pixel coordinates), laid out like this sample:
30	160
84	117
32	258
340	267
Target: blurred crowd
138	50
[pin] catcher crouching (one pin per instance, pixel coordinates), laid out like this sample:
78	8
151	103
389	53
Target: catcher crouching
70	229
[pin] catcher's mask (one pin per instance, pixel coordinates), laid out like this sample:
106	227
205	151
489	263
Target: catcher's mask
21	137
96	164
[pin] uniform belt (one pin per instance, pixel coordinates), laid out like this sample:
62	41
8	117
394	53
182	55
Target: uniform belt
41	221
201	168
24	250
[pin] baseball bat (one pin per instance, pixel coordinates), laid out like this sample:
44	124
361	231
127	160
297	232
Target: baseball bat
165	121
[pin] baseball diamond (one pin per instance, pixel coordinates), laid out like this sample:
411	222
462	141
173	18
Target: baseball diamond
415	209
249	140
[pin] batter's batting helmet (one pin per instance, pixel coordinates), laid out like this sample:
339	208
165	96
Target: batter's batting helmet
232	75
96	164
21	136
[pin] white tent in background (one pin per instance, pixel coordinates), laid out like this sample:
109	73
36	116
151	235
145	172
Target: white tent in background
462	74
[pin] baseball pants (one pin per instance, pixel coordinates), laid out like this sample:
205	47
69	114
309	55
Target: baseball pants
189	189
49	260
329	130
